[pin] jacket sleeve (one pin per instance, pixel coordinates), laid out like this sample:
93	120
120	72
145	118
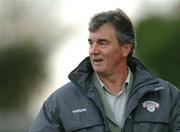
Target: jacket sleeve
175	118
47	120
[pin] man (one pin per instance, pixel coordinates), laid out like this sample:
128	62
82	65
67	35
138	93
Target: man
111	91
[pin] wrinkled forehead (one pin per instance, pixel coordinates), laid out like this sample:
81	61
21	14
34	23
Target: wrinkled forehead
104	32
105	27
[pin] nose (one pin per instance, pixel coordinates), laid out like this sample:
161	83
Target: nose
94	49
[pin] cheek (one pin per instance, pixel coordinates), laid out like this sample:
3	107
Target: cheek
115	58
113	54
89	51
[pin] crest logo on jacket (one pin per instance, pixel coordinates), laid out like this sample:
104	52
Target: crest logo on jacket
151	106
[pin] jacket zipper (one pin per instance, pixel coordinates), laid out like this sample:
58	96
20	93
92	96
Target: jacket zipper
91	96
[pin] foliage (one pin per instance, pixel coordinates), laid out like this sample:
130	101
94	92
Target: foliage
158	45
21	69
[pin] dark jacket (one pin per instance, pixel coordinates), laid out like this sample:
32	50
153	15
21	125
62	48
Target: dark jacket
153	104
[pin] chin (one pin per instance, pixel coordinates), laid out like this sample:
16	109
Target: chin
99	72
98	69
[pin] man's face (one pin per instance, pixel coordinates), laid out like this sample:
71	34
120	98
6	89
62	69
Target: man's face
106	54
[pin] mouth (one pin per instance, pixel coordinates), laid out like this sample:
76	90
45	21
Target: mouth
97	60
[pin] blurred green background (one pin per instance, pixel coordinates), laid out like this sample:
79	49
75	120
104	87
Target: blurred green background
158	45
28	37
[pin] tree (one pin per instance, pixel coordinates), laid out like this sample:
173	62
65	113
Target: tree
21	70
28	32
158	45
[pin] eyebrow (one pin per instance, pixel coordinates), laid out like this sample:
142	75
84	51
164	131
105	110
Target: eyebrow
99	40
103	40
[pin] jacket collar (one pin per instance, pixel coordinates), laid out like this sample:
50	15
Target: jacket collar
81	74
142	76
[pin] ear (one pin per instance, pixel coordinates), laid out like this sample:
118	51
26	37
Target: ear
126	48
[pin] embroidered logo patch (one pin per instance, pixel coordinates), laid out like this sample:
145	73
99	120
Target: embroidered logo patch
151	106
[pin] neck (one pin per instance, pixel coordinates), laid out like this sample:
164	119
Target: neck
114	82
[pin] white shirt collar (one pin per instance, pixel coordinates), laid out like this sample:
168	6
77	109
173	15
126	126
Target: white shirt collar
124	86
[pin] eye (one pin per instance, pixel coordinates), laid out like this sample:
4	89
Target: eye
104	43
90	42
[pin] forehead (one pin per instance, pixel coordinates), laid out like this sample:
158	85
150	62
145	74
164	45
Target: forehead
106	30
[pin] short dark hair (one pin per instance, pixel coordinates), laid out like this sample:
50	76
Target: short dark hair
120	21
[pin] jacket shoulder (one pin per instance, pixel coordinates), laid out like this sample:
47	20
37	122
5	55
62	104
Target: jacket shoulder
168	85
66	92
170	91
